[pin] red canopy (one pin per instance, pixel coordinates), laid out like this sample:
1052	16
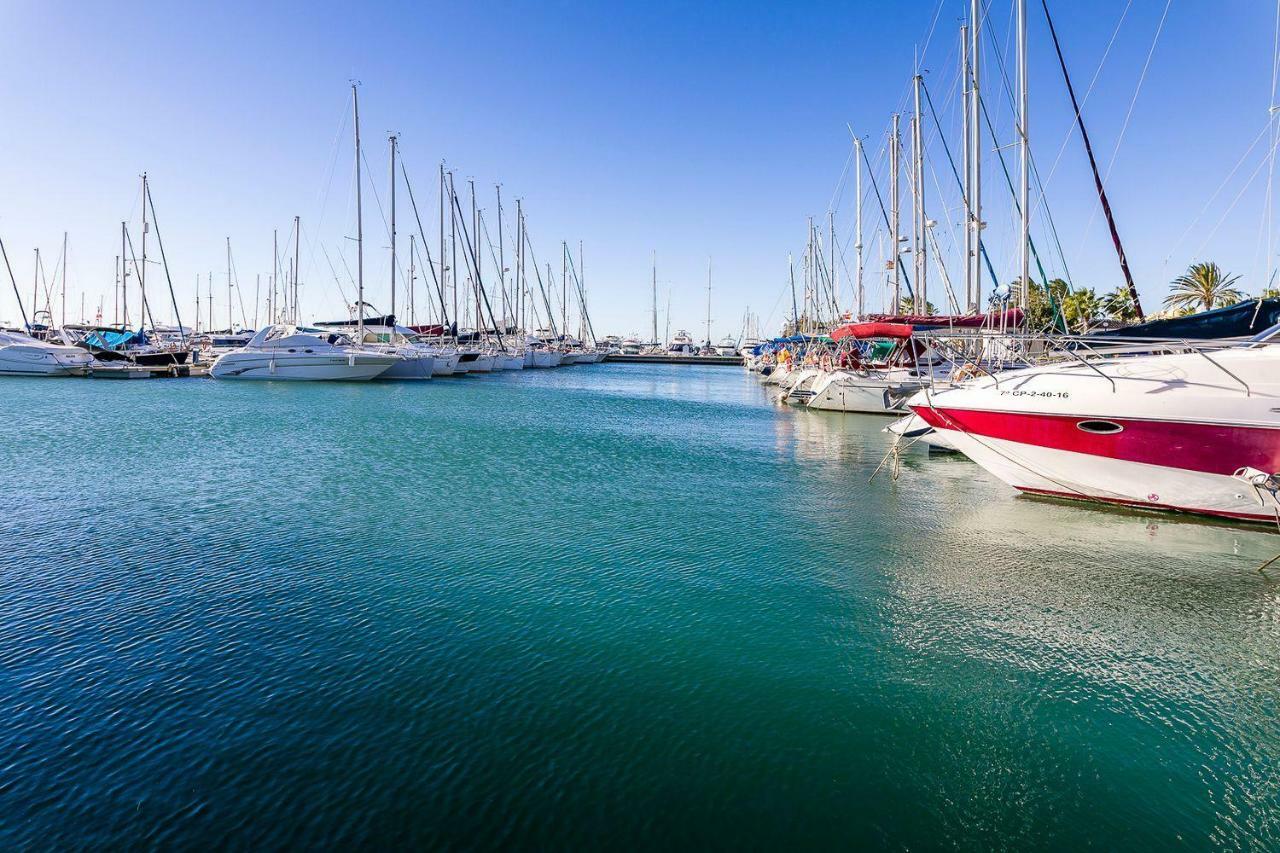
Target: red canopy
1009	317
900	331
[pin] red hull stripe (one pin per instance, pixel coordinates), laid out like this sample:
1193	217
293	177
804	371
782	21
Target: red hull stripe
1219	513
1209	448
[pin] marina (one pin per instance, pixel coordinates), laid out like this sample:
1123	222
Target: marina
602	433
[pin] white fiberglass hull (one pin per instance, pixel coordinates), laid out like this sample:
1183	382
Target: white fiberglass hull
545	358
1081	476
482	364
300	366
444	364
512	362
844	391
43	360
410	367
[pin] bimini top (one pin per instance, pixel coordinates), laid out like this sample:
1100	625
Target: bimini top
874	329
1001	319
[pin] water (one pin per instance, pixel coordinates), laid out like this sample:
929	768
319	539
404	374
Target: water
601	604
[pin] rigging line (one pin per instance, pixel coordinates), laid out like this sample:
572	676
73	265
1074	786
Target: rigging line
885	215
1271	112
1136	92
1248	183
425	243
177	315
956	172
334	272
14	282
145	313
1071	131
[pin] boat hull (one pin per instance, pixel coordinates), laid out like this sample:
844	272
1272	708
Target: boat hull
265	366
849	392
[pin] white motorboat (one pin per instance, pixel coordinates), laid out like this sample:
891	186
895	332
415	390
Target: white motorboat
289	352
682	344
1194	430
632	346
23	355
728	346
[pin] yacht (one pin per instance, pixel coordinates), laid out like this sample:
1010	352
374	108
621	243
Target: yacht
632	346
283	351
23	355
682	344
727	346
1193	428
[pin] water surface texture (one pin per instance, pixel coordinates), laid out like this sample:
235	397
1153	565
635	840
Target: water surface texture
602	605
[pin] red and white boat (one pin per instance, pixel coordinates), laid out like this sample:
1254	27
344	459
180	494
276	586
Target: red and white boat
1194	430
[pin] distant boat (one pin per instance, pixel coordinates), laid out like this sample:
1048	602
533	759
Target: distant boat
682	344
727	346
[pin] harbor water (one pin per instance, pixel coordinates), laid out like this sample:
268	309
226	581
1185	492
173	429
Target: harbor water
620	604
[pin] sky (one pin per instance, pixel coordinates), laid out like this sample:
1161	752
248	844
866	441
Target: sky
695	133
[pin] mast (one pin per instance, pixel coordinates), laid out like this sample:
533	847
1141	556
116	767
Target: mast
392	140
921	250
293	271
198	317
655	298
1024	191
971	300
795	314
520	276
564	288
502	260
893	216
115	307
857	245
832	271
355	109
230	321
142	273
413	308
975	148
708	301
64	281
272	305
35	289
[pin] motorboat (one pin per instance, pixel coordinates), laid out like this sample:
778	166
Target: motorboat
23	355
728	345
877	368
632	346
283	351
682	344
1191	427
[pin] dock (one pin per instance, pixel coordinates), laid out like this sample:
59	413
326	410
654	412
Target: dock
667	358
133	371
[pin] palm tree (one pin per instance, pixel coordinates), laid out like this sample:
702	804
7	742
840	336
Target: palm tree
1203	285
1118	304
907	305
1081	307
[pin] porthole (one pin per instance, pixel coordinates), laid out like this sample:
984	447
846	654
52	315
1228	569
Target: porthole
1099	427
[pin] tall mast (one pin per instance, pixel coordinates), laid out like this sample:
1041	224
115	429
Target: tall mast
198	317
64	280
115	309
272	305
921	249
971	299
473	246
393	223
564	288
975	147
1024	191
795	314
831	253
708	301
582	299
655	298
293	270
502	261
413	308
444	268
857	245
142	273
520	282
230	322
355	109
893	217
35	288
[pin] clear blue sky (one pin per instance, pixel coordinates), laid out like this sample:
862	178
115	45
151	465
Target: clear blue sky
692	130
